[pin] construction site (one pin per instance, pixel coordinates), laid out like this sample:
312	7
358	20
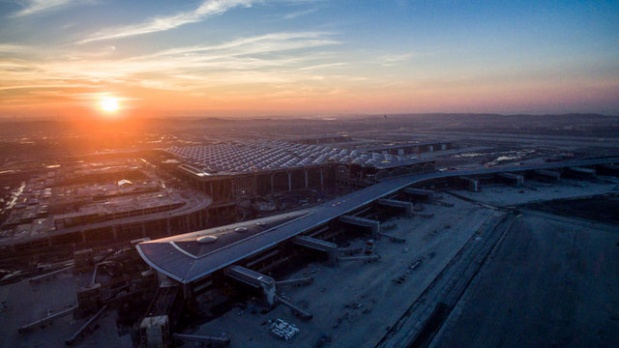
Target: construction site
331	241
124	196
375	267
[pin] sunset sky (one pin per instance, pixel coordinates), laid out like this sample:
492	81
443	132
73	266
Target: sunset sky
307	57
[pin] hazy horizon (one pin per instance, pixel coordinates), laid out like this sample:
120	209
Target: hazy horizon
307	58
284	117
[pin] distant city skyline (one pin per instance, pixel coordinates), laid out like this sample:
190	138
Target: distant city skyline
115	58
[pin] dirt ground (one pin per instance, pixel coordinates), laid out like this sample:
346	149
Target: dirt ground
552	282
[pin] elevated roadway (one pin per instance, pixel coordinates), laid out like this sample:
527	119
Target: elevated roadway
182	259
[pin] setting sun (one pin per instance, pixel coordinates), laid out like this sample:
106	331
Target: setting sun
109	104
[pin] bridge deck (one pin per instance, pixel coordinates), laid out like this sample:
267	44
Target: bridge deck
167	257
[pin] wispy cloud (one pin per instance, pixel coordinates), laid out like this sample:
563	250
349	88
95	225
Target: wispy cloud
297	14
284	58
268	43
322	66
393	59
32	7
44	86
206	9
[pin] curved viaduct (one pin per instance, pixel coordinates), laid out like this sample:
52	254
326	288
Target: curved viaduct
185	260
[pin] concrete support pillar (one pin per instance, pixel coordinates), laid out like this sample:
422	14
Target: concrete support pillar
256	280
187	291
306	179
473	184
289	181
270	292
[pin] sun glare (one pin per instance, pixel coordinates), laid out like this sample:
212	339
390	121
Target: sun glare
109	104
